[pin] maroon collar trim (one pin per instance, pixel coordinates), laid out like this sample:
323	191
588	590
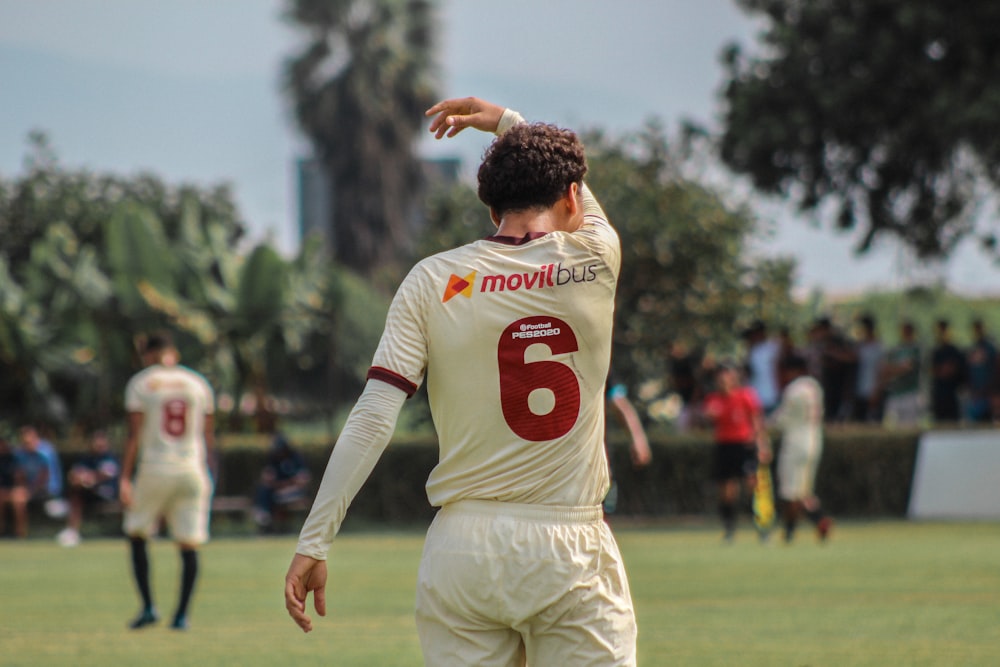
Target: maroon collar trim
514	240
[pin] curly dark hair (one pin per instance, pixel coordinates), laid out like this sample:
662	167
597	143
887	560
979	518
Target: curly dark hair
530	166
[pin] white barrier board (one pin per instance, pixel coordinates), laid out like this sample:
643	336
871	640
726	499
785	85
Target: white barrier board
957	476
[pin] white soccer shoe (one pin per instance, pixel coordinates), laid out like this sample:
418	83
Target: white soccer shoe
68	537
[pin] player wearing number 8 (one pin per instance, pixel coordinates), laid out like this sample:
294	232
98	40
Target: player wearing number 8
170	436
513	336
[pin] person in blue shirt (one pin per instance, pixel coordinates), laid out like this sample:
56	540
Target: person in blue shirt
31	481
55	505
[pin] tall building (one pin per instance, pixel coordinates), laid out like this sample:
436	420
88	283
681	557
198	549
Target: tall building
315	199
316	194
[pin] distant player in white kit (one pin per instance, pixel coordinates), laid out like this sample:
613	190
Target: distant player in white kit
513	334
800	418
171	433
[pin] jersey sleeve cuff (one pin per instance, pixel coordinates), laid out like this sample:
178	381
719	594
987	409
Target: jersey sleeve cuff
392	378
509	119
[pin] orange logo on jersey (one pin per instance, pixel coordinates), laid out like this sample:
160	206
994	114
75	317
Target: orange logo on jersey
458	286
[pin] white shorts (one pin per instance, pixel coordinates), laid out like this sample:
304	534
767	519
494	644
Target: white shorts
797	472
502	584
181	496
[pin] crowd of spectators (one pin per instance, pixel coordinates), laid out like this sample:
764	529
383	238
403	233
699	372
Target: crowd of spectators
906	384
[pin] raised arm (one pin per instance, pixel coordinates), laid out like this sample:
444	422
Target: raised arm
454	115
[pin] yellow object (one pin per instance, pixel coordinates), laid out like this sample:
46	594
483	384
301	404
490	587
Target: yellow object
763	499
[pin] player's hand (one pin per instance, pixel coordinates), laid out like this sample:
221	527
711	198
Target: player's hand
305	574
453	116
125	492
764	454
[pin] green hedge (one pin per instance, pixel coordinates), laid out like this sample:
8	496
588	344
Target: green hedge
863	473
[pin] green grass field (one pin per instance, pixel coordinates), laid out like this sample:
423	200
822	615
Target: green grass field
889	593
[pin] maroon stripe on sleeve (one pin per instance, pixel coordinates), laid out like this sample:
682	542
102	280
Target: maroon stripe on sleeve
395	379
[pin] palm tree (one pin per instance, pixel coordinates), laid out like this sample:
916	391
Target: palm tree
359	88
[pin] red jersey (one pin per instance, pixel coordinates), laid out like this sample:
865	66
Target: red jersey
733	414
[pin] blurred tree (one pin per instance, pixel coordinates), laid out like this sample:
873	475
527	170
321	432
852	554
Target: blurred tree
688	272
48	192
454	216
359	89
93	260
887	111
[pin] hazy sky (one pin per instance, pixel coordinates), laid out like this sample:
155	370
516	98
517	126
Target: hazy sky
190	90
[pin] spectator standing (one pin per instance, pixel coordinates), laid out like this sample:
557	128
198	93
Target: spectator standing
837	366
684	371
284	481
981	361
740	443
947	376
867	389
93	479
901	379
800	418
786	350
762	365
812	351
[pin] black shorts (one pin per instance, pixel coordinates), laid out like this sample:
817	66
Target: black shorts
734	461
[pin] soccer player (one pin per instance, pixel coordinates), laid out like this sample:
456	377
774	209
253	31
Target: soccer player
513	335
740	442
171	432
800	418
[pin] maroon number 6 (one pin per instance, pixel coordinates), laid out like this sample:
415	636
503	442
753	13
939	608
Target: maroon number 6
175	418
518	378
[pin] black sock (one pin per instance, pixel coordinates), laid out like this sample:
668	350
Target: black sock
815	515
140	568
791	515
728	513
189	572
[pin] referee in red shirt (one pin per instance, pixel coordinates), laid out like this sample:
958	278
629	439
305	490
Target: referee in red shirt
740	441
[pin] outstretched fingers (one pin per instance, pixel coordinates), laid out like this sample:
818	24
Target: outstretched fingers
452	116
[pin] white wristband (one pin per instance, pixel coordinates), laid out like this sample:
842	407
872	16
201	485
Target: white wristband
509	119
